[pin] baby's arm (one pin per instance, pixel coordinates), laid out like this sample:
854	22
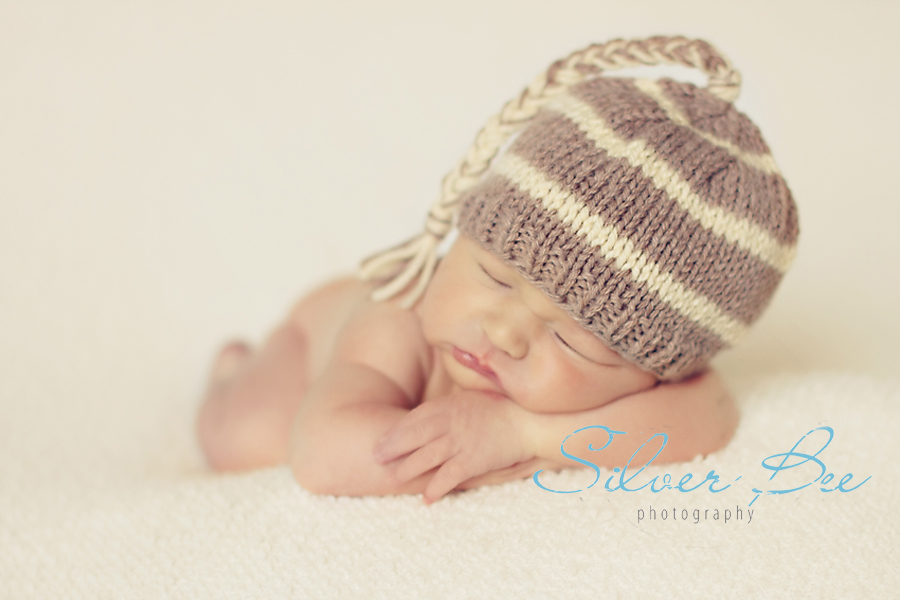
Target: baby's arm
370	383
505	442
698	415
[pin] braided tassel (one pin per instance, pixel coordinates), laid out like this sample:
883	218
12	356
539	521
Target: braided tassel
416	258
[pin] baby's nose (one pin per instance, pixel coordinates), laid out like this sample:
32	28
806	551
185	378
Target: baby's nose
508	329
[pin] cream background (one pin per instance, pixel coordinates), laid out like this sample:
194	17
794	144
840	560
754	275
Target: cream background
204	163
173	174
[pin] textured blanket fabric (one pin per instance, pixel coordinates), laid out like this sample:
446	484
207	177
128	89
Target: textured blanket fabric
134	514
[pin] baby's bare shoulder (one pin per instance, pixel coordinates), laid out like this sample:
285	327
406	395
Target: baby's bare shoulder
388	338
342	323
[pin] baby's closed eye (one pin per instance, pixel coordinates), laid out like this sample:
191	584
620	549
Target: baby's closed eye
567	344
492	278
586	355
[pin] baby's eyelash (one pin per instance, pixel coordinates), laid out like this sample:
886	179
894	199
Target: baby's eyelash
605	364
494	279
559	337
567	345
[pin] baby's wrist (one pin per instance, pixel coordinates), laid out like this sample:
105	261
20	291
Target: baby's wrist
527	429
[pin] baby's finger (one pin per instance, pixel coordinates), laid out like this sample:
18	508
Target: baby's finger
452	473
404	437
424	459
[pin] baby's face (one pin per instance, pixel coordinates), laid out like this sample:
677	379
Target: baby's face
494	331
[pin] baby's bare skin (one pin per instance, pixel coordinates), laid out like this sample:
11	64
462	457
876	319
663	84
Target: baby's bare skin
478	383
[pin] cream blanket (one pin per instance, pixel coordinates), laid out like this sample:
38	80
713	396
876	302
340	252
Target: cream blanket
132	513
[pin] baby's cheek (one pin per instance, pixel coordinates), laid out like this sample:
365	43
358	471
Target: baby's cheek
435	322
569	388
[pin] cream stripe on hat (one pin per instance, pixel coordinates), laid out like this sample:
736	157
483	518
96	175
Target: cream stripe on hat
743	232
761	162
618	248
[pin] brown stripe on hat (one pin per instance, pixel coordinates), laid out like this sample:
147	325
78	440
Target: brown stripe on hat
711	171
619	249
760	161
720	220
624	313
708	113
628	201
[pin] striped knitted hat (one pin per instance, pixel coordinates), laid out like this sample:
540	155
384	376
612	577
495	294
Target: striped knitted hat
650	210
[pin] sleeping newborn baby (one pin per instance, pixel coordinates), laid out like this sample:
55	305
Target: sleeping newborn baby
632	230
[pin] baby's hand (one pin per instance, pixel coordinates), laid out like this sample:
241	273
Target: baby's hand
465	434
